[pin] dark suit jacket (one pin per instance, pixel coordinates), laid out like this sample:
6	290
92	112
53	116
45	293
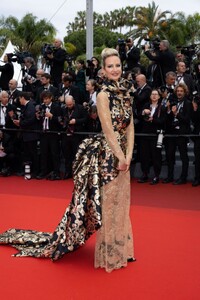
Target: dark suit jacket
28	121
166	61
8	120
189	82
14	98
141	96
132	58
78	113
7	72
55	110
75	92
52	89
184	118
158	122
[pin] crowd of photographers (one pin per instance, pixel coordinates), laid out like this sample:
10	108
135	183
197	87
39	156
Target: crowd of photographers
42	125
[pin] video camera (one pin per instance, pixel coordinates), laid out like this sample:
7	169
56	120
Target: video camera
154	43
19	56
122	48
188	51
47	49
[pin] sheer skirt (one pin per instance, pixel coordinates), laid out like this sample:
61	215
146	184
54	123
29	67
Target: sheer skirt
114	240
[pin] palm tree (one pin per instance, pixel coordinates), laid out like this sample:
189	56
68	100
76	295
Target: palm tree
81	15
28	34
148	22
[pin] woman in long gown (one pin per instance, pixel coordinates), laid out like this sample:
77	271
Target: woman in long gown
101	196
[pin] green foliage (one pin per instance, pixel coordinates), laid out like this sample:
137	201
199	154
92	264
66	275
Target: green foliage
102	36
28	34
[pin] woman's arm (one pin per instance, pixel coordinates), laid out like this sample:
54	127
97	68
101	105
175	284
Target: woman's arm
107	128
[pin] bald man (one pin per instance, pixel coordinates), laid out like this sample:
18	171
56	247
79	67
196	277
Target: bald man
57	59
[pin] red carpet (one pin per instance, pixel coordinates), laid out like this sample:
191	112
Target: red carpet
166	222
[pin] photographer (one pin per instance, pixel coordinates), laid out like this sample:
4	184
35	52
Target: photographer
164	59
132	55
28	123
56	60
7	72
178	123
196	140
28	74
183	77
153	120
73	119
68	88
48	115
93	66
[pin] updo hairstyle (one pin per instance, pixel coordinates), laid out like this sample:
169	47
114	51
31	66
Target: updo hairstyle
107	52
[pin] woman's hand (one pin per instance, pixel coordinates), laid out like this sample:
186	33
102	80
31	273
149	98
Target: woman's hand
122	165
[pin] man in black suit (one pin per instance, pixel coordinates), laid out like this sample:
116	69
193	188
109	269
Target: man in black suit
48	115
183	77
132	55
7	72
7	111
164	58
69	89
28	123
74	118
57	59
178	123
14	93
46	86
28	74
141	94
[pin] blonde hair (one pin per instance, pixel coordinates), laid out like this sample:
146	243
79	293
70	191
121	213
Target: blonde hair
107	52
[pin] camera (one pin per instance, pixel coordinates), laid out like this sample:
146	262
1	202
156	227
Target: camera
163	89
160	139
173	101
146	116
40	111
64	121
19	56
188	51
196	97
29	77
154	43
47	49
122	48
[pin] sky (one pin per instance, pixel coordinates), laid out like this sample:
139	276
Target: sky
61	12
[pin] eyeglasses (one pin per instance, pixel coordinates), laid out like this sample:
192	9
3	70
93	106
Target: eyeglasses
155	94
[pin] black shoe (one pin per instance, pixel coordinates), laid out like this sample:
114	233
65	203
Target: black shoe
54	176
154	181
40	176
143	179
131	259
167	180
196	182
180	181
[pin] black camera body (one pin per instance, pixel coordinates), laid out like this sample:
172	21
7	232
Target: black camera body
173	101
47	49
154	43
19	56
64	121
146	116
196	97
122	48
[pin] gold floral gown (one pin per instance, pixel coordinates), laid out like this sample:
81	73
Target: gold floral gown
100	200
